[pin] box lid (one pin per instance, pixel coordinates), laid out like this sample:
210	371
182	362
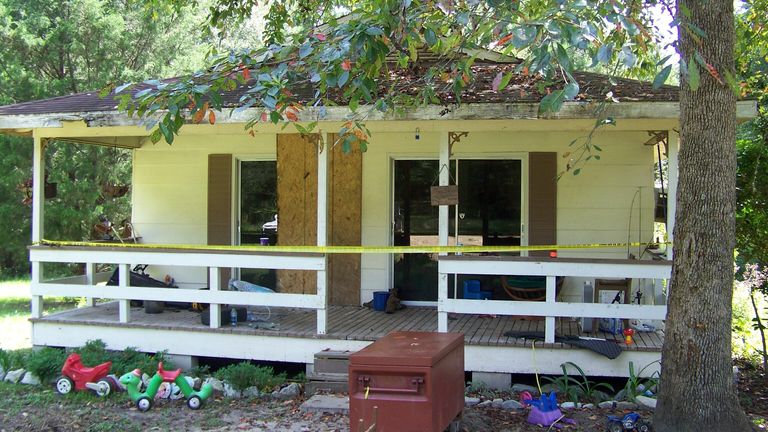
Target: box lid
408	349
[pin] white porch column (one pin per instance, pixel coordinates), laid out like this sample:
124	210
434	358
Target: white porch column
322	230
673	147
124	284
549	322
38	199
90	274
442	278
214	275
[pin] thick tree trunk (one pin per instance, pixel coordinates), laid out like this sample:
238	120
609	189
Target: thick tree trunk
697	390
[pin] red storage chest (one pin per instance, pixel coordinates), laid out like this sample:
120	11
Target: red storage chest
416	379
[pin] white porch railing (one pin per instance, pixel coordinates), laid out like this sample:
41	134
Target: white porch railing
551	268
85	286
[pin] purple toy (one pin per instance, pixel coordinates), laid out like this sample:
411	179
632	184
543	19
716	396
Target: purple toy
544	411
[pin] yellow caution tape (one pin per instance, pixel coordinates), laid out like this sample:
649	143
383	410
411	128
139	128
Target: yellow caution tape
349	249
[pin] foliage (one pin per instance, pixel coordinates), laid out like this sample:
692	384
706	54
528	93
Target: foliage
95	352
5	360
46	363
243	375
17	359
578	387
637	384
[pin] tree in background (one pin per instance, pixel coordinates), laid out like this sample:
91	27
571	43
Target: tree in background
57	48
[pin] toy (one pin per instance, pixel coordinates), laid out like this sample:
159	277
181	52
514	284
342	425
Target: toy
630	422
628	333
544	411
143	400
75	375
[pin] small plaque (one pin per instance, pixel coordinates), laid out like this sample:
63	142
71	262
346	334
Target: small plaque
444	195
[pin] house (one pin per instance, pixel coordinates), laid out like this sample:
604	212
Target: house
218	186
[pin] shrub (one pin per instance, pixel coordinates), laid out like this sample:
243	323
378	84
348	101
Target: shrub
5	360
18	359
95	352
243	375
46	363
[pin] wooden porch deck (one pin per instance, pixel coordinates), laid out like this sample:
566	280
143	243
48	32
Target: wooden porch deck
350	323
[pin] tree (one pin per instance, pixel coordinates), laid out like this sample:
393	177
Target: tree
349	57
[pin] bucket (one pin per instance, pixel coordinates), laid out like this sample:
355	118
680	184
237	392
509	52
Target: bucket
380	300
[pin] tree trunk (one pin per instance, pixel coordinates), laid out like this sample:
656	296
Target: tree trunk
697	391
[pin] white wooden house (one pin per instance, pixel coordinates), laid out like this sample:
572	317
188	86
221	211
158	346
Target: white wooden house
217	185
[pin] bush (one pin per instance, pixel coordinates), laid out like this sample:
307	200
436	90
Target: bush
18	359
4	359
243	375
95	352
46	363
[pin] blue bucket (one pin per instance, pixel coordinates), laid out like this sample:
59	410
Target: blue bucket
380	300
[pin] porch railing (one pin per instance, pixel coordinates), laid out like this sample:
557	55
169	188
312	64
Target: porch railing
215	261
550	268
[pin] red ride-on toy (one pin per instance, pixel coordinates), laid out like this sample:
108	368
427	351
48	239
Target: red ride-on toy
76	375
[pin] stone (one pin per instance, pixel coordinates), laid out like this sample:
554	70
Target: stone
588	406
567	405
290	391
30	379
621	395
519	388
145	379
492	380
646	402
215	383
630	406
196	382
231	392
471	401
251	392
326	403
607	404
484	404
496	403
735	375
14	376
511	405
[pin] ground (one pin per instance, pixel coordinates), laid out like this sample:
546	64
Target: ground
28	408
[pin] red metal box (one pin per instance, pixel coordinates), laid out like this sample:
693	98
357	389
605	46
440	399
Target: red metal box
415	379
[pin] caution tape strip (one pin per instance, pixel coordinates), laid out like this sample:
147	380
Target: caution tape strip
351	249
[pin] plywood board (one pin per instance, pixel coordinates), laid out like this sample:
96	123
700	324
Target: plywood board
345	229
297	205
542	200
220	204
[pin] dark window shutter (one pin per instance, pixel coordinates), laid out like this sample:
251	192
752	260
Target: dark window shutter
220	203
542	200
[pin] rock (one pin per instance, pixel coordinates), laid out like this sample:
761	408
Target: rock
630	406
567	405
471	401
511	405
588	406
251	392
496	403
484	404
230	392
518	388
646	402
30	379
14	376
215	383
621	395
735	375
196	383
145	379
607	404
290	391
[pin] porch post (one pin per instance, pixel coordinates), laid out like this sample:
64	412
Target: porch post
442	278
214	275
90	274
549	322
673	147
322	228
125	282
38	199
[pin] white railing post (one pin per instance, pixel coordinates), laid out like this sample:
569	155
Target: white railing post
36	306
90	273
124	284
442	278
549	321
214	274
322	230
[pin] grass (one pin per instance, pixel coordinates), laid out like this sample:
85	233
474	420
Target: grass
15	311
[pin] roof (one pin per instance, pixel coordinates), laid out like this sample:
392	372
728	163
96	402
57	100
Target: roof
522	88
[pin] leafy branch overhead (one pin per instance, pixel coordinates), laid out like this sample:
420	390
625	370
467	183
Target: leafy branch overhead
393	56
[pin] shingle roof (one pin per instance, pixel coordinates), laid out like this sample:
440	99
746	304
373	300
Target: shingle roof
521	89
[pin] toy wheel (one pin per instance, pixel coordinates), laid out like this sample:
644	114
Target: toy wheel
194	402
64	385
104	387
144	404
642	426
615	427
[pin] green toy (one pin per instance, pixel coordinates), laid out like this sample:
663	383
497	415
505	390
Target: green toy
143	400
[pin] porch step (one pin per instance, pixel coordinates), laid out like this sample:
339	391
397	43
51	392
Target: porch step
332	362
334	383
330	373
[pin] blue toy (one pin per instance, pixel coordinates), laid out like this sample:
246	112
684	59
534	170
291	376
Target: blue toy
544	411
629	423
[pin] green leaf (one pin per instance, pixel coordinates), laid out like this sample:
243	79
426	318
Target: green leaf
661	77
343	78
120	88
346	146
571	90
166	132
576	171
374	31
604	53
305	49
505	80
693	74
430	37
156	135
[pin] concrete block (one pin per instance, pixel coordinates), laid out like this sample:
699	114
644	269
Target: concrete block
331	404
493	380
185	362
